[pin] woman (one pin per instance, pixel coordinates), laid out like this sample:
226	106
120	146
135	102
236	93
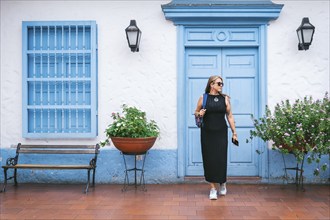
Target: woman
214	137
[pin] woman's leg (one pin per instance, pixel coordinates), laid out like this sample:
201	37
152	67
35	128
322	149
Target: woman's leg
213	185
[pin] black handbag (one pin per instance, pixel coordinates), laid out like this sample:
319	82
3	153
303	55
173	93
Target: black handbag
199	119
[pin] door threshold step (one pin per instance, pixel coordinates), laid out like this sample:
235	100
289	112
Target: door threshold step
230	179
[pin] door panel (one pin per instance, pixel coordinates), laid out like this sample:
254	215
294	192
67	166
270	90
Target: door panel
238	67
240	73
200	63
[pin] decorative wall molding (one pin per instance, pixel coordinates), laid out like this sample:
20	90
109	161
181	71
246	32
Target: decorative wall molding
220	11
226	36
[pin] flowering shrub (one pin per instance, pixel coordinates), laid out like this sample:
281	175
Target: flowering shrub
301	127
132	124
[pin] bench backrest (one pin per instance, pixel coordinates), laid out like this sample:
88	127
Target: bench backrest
57	149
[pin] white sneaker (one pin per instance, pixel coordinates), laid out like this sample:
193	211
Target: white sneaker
213	194
223	189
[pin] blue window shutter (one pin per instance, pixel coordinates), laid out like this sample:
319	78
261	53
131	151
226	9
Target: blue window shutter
59	79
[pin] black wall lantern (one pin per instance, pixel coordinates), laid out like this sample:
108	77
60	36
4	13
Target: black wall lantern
133	35
305	34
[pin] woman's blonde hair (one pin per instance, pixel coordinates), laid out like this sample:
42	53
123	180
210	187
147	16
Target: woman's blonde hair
211	80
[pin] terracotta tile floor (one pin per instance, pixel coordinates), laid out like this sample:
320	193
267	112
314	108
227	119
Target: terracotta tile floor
181	201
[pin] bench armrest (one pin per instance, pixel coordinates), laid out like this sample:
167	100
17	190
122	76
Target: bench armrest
12	161
92	163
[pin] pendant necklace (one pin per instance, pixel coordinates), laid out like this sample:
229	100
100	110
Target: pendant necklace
216	99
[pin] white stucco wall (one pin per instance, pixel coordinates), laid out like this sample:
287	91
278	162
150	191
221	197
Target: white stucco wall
146	79
294	73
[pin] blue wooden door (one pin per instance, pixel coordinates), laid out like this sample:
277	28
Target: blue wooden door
239	68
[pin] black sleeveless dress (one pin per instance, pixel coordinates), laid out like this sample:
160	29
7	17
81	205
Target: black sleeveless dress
214	140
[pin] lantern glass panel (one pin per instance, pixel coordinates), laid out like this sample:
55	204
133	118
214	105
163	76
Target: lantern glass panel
132	38
300	37
308	33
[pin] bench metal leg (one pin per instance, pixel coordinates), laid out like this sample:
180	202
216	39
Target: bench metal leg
93	177
88	180
15	177
5	179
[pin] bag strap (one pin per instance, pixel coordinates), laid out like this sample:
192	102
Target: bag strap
204	100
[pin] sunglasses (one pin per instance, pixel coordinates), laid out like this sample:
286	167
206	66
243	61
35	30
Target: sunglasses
220	83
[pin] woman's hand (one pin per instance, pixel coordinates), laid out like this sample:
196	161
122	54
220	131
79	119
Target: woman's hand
202	112
235	139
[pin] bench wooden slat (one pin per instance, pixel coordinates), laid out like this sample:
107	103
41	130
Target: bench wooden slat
59	146
44	151
47	166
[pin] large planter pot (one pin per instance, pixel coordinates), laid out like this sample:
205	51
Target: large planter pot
133	145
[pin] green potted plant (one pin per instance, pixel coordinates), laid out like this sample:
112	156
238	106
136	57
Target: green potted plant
131	132
301	128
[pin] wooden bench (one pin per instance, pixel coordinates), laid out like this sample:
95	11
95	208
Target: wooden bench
13	163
